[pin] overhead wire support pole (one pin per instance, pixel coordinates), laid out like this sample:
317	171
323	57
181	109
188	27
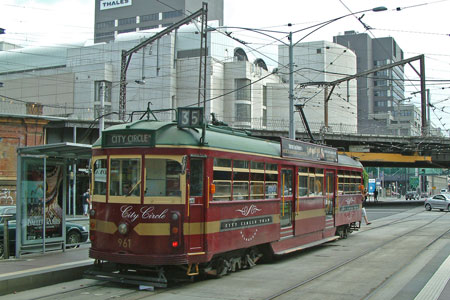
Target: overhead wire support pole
203	66
423	96
420	73
291	89
126	58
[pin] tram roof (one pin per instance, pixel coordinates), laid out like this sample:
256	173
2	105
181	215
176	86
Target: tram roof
216	137
167	133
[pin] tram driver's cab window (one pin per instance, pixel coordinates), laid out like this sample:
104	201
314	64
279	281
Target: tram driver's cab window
162	177
125	177
100	172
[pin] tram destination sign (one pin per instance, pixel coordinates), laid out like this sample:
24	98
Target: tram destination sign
121	139
190	117
303	150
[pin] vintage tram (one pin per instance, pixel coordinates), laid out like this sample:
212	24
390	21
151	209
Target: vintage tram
208	199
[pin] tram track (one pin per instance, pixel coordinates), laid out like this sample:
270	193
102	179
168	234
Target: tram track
365	253
104	288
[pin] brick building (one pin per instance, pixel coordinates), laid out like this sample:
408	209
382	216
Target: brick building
16	131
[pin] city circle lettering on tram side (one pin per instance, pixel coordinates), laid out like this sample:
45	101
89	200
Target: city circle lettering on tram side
143	139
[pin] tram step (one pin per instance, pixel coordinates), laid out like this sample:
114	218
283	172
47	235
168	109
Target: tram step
127	278
309	245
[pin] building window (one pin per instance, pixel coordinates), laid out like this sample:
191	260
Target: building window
104	34
148	27
103	25
151	17
319	51
172	14
243	112
102	90
264	120
380	103
380	83
126	30
264	95
127	21
243	89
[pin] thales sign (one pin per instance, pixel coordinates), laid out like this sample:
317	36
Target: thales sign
108	4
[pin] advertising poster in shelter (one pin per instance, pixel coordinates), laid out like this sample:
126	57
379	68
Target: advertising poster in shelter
37	194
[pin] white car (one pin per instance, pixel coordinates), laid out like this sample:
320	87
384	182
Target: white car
441	202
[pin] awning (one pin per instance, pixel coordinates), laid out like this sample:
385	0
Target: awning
59	150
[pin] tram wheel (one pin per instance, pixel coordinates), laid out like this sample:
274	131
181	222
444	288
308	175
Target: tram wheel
222	267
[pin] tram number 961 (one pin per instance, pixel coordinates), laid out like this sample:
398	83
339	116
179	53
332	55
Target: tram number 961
124	243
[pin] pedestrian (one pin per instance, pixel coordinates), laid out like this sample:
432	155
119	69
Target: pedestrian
375	195
86	202
363	210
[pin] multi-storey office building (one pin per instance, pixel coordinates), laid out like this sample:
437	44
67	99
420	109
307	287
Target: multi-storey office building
115	17
382	92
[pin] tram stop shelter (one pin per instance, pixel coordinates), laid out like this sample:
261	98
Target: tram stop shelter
44	194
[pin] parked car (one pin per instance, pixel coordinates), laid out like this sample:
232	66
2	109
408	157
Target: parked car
412	195
75	233
441	202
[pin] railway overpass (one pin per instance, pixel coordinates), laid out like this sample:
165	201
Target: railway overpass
380	150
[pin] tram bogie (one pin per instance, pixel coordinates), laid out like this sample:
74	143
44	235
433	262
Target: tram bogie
164	197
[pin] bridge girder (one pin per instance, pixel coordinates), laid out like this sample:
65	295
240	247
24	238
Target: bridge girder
412	149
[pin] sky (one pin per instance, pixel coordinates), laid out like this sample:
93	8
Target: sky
418	26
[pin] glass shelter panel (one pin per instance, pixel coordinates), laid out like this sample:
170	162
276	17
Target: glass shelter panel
41	200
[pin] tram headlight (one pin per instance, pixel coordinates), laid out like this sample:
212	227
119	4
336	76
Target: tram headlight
174	216
123	228
92	213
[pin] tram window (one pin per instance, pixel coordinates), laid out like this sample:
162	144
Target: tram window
271	167
240	190
287	179
257	183
257	165
302	186
223	190
100	171
341	181
196	177
241	177
319	185
222	179
312	180
125	177
271	182
162	177
240	164
330	184
222	162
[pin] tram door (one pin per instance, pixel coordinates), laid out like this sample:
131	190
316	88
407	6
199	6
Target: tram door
195	208
329	198
287	201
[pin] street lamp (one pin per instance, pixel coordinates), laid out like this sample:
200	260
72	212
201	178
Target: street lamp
291	46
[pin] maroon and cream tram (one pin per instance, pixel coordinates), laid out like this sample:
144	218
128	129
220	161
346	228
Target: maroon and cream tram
167	195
